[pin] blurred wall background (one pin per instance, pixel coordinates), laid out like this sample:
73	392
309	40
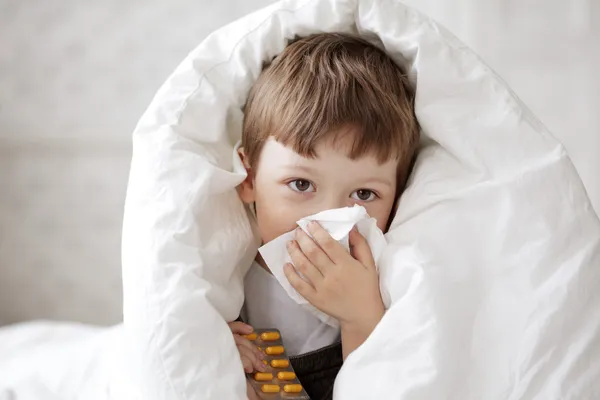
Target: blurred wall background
76	75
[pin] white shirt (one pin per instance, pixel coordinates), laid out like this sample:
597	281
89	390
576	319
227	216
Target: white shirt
269	306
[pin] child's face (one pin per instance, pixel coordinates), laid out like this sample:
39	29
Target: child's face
287	187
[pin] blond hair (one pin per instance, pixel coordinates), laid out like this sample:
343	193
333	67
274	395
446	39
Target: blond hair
323	83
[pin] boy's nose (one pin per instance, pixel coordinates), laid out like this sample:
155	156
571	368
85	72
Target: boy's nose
337	202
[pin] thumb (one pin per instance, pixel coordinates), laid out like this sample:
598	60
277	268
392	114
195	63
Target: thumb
240	328
360	250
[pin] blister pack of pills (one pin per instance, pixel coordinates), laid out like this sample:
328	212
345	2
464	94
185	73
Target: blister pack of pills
279	382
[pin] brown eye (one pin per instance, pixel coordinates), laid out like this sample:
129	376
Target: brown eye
300	185
364	195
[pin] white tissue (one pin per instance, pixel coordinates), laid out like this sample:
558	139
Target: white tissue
338	222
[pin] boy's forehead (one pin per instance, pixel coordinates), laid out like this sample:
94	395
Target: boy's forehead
278	154
281	152
328	151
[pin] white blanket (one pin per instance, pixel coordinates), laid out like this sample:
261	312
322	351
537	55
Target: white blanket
492	262
493	255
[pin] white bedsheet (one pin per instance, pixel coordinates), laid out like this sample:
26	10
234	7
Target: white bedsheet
61	361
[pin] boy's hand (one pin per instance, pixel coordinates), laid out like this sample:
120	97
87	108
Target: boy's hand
250	355
345	286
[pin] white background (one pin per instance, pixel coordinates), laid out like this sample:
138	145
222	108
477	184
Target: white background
76	75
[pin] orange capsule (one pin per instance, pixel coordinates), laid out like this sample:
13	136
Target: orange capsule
286	375
269	336
265	362
274	350
280	363
263	376
292	388
251	336
272	388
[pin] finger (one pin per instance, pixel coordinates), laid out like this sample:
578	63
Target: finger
247	364
256	363
360	250
240	328
303	264
313	251
334	250
243	342
301	286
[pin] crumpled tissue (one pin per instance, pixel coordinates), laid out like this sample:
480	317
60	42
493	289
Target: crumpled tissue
338	222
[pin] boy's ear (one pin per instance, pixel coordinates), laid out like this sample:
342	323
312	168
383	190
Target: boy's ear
246	188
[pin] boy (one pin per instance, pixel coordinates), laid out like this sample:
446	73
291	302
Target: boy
328	124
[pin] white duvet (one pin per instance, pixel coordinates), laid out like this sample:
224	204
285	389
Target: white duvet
492	267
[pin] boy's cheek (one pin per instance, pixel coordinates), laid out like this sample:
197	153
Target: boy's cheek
276	219
383	212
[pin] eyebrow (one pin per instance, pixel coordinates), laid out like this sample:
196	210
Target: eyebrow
385	182
303	168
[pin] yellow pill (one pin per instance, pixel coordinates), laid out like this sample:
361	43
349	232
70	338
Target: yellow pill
274	350
293	388
280	363
273	388
286	375
269	336
265	362
251	336
263	376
